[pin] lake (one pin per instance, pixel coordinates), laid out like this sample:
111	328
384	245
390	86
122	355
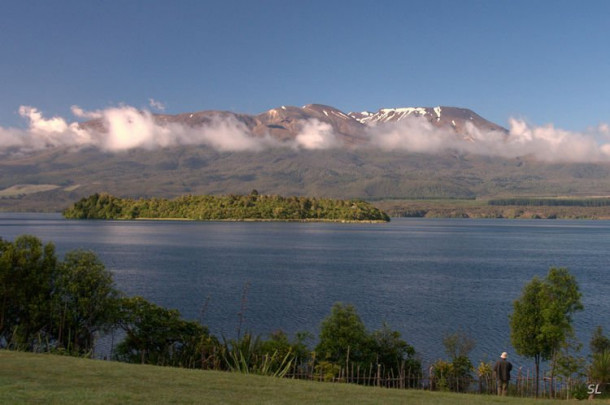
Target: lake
424	277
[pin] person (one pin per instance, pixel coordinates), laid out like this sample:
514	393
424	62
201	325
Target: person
502	369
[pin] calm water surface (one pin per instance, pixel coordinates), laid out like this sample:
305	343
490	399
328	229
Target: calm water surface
424	277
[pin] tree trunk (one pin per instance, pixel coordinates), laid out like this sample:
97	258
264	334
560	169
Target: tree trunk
537	361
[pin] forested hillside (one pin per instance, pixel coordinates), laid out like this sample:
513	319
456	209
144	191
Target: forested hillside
52	180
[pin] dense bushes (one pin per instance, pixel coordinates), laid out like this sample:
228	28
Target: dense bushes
345	342
155	335
47	304
231	207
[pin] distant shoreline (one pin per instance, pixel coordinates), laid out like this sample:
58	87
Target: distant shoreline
422	208
480	209
251	220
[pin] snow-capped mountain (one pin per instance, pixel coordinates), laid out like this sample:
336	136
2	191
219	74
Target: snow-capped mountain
453	117
286	122
221	152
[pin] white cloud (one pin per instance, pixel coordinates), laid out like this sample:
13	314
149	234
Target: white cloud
125	127
50	132
80	113
545	143
551	144
413	134
156	104
225	134
40	124
315	134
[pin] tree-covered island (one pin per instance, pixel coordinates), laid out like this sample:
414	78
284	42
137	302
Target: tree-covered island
252	207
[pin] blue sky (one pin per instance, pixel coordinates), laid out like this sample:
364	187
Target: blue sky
542	61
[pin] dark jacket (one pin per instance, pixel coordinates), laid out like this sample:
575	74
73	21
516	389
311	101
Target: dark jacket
502	369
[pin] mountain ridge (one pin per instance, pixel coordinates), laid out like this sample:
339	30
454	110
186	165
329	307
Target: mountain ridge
286	122
52	178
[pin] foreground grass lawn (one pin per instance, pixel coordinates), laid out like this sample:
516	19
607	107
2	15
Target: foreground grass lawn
41	378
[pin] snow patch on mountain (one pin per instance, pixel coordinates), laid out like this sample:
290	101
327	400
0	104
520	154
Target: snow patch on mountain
394	114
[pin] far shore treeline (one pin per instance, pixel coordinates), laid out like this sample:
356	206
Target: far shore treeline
552	202
254	207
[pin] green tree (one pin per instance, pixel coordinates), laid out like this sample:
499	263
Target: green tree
599	342
279	342
455	375
394	354
344	341
567	364
252	206
156	335
542	317
27	282
458	346
600	368
85	301
343	337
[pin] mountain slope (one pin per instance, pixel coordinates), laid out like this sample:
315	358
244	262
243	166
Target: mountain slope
368	174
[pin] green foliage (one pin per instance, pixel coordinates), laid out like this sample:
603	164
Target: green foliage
485	375
250	354
343	336
279	342
231	207
28	272
442	371
155	335
599	342
327	371
455	375
48	304
580	391
85	300
344	341
599	372
96	206
485	370
458	344
542	317
393	352
462	373
567	364
526	321
600	368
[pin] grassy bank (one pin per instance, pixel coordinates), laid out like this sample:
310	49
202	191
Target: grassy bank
40	378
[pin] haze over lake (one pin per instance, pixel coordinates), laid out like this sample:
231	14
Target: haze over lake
424	277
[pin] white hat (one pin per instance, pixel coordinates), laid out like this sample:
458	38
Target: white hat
504	355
